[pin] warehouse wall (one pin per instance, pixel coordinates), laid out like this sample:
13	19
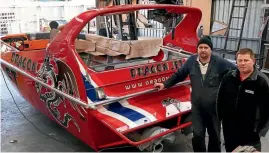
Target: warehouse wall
222	10
221	13
17	17
157	29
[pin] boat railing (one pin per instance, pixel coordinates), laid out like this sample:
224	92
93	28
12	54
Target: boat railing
109	101
78	101
179	51
4	47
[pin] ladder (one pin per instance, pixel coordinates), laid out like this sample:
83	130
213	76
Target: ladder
239	27
264	65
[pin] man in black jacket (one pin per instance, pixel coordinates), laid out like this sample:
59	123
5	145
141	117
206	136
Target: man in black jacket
243	103
206	72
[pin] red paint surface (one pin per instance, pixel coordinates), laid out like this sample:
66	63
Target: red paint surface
94	129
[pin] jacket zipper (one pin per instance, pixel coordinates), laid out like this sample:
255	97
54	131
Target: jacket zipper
239	89
207	71
198	67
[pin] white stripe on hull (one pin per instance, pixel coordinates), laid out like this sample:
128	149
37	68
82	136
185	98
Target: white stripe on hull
139	110
121	118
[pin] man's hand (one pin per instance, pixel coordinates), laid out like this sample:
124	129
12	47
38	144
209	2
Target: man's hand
159	85
245	149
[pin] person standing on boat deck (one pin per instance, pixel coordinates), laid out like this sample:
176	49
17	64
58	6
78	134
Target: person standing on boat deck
243	103
206	72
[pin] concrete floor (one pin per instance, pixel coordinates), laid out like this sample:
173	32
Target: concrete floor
15	127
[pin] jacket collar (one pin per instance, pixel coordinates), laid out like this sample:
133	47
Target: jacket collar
252	77
212	58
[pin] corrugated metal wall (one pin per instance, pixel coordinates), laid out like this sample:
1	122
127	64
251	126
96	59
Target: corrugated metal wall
221	12
157	29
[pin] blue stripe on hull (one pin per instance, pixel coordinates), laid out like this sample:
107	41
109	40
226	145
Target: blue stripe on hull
115	107
91	93
126	112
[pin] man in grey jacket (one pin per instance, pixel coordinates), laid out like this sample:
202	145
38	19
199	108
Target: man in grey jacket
206	72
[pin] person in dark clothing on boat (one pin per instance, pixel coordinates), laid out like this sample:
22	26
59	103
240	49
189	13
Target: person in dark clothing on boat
243	103
206	72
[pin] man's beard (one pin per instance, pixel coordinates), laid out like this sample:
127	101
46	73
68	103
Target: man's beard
204	56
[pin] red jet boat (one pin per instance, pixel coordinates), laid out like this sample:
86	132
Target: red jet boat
101	89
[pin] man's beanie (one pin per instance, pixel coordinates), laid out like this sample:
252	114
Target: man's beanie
206	40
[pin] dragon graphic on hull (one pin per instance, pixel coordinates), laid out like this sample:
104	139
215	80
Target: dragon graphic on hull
57	74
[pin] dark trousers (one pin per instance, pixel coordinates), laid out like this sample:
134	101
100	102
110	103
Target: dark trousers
205	119
235	137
